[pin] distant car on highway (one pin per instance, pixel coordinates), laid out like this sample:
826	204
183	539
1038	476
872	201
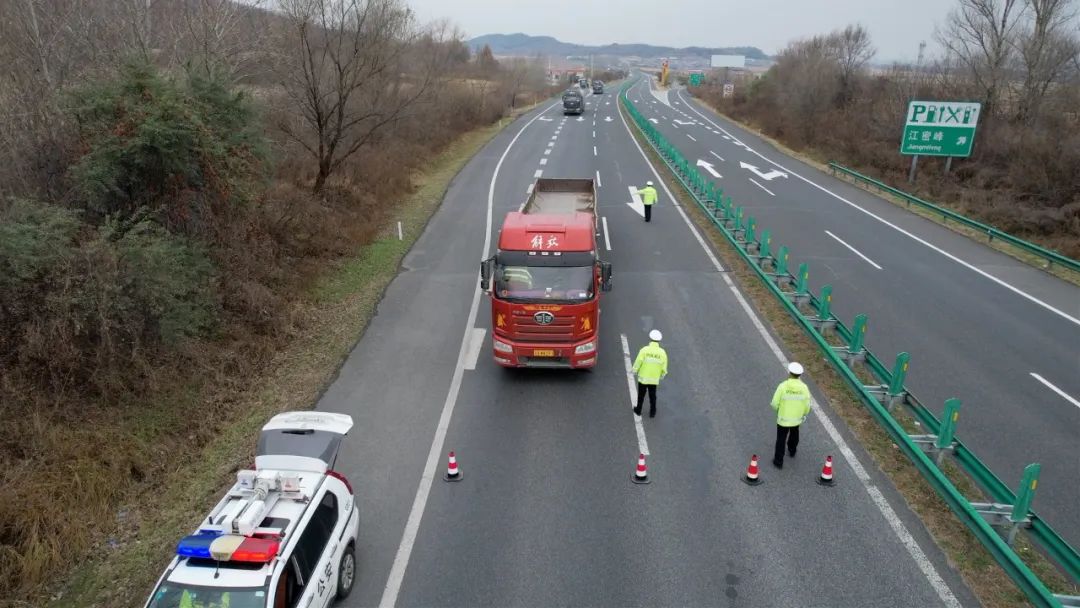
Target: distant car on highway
584	83
597	87
285	533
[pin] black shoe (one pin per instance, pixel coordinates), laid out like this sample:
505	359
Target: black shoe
637	411
791	453
652	413
778	463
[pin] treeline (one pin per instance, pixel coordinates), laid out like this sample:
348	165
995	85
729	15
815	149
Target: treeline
1019	58
173	175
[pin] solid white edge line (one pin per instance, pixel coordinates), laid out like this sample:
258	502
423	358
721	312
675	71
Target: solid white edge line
598	184
717	156
922	561
910	235
416	513
1057	390
691	137
607	237
639	428
853	250
476	344
760	186
674	201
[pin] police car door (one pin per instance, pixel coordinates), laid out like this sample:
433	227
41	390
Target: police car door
316	556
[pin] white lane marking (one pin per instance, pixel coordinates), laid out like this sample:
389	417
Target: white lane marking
548	151
594	132
543	161
598	183
853	250
551	144
1057	390
716	155
760	186
528	191
476	342
910	235
594	150
607	237
691	137
538	173
886	510
675	125
725	137
631	384
554	137
416	513
635	198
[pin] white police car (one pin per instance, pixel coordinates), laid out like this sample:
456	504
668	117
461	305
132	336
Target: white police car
283	536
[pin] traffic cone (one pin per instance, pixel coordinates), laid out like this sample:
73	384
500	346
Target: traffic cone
641	475
826	473
452	471
751	477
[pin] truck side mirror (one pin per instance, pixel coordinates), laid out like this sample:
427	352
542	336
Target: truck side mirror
605	276
486	268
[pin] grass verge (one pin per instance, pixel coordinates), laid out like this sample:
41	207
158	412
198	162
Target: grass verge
334	316
821	163
980	572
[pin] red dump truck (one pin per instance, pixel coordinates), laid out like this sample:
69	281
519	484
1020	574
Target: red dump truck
546	277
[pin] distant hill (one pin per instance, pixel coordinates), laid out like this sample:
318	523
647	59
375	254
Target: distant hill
524	44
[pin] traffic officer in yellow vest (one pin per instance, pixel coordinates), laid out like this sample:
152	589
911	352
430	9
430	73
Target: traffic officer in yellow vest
650	367
792	404
648	198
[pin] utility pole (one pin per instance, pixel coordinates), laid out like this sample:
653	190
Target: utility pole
590	67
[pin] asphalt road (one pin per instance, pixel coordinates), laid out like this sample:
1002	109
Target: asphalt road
1002	336
546	513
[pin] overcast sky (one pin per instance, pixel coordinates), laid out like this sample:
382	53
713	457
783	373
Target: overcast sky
896	26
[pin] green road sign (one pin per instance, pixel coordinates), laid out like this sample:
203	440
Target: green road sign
695	79
940	128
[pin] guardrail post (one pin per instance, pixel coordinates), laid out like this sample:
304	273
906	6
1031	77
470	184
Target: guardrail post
855	350
738	230
942	443
802	285
824	322
764	251
896	390
1024	495
782	277
751	236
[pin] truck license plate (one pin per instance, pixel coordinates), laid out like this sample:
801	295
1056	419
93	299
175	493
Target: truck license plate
543	353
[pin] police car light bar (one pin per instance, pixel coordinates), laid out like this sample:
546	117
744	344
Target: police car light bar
210	544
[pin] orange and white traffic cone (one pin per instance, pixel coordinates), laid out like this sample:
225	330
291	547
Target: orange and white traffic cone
826	478
751	477
452	471
641	475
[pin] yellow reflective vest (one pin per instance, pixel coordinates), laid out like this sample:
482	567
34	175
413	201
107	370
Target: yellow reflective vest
651	364
648	195
791	402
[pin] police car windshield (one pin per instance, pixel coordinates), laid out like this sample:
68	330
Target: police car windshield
176	595
544	283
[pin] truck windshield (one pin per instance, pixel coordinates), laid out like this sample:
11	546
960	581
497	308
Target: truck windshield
544	283
176	595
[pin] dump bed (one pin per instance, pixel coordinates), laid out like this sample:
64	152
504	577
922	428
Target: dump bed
558	196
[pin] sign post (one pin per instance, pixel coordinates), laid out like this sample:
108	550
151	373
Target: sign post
939	128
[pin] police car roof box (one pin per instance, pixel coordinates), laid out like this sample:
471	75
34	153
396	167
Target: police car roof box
302	441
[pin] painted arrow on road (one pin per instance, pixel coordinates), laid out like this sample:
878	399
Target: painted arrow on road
654	121
637	205
766	176
608	119
546	119
580	119
684	123
709	168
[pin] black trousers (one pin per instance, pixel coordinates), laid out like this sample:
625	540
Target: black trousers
648	213
790	434
641	389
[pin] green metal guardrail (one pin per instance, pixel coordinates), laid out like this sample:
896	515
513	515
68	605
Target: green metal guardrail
1010	510
1051	257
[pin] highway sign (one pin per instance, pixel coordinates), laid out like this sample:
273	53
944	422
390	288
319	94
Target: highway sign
729	89
940	128
695	78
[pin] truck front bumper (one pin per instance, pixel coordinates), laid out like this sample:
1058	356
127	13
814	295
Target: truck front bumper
558	355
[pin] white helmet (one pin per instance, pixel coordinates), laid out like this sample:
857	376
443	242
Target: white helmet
795	368
655	335
648	183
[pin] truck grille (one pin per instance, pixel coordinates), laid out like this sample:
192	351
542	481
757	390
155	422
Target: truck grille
559	330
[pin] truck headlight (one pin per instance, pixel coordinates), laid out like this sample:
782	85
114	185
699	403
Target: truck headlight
503	347
588	347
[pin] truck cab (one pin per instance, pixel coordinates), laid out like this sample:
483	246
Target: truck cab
546	278
573	102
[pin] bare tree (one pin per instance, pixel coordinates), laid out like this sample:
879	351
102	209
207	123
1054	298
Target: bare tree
853	51
1045	48
344	65
980	34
